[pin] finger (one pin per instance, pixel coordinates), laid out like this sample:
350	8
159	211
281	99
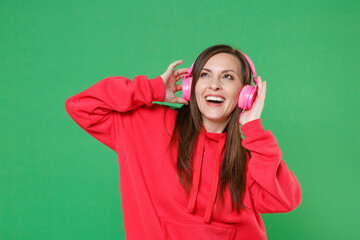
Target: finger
263	85
178	74
181	100
259	84
174	64
180	77
261	96
178	88
264	89
259	80
181	71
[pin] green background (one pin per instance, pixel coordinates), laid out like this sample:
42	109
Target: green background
57	182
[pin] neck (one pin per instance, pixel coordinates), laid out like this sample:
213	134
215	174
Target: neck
214	127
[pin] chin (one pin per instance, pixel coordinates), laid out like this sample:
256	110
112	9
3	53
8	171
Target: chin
215	118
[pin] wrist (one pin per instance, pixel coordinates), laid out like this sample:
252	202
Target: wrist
252	128
163	77
248	119
157	89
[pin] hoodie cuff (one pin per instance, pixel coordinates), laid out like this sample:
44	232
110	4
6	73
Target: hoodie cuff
157	89
252	128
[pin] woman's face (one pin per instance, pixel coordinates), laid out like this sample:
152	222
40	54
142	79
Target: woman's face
217	90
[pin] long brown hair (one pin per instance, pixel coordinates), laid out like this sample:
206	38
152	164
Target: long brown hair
188	126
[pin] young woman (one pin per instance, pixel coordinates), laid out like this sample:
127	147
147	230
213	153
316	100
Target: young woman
186	173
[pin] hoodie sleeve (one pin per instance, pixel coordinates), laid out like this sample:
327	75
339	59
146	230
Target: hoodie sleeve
98	108
273	186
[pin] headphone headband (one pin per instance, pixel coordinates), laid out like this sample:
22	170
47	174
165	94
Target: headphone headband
252	66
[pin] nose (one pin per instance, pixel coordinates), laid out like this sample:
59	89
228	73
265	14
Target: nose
215	84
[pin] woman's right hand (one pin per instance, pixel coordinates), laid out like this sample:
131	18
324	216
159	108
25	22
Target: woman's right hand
170	77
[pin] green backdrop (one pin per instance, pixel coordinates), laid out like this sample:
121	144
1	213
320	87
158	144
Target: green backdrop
57	182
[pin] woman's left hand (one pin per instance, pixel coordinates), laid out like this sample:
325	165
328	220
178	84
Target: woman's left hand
258	105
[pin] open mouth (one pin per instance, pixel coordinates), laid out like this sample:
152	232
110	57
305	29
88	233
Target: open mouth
215	100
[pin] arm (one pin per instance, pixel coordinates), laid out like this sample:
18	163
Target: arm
98	108
273	186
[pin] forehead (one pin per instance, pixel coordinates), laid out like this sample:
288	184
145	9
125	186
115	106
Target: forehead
223	61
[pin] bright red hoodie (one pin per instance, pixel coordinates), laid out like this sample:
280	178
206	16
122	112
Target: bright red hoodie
120	113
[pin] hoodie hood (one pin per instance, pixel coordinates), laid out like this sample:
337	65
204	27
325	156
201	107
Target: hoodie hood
197	166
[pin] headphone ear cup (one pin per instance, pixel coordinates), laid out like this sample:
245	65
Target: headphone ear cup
186	88
247	97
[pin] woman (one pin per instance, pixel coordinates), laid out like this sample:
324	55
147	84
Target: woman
186	173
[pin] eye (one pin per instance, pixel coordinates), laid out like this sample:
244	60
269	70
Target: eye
204	74
228	76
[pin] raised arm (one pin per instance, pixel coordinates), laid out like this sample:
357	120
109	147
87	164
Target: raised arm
97	109
273	186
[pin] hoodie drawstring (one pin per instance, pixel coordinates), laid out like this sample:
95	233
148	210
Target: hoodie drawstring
215	183
197	172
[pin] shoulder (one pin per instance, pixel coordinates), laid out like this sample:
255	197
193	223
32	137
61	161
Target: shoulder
168	114
154	117
159	110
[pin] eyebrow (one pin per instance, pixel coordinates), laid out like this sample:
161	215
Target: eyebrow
221	72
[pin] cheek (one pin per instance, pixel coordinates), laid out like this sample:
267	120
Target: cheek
235	92
199	89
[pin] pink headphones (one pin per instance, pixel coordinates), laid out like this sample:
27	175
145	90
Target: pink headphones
247	95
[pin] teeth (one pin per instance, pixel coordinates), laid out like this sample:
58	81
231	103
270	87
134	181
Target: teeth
212	98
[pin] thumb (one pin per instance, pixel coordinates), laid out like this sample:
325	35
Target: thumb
181	100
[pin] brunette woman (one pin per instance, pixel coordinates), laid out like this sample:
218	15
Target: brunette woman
187	173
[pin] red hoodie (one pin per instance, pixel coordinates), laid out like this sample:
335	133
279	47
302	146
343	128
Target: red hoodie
120	113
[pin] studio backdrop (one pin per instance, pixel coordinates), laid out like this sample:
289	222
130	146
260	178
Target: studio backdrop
57	182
